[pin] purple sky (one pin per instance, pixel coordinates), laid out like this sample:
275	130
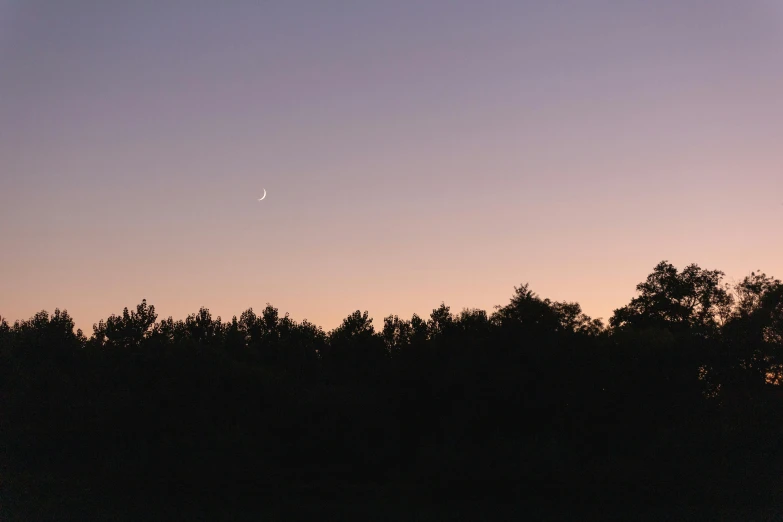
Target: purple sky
413	152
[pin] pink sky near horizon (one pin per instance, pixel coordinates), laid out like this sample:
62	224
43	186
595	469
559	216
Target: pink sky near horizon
413	153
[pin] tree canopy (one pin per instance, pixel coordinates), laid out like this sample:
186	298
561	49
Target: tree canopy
678	396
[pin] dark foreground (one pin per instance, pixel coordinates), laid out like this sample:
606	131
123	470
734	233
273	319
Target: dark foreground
46	501
535	412
52	498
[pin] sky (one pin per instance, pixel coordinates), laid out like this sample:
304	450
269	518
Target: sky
413	152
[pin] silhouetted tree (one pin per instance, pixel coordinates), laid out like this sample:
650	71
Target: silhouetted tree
676	399
202	329
441	322
527	315
474	323
572	319
692	300
396	333
355	347
753	334
127	330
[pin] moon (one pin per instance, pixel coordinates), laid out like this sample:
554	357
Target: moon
262	197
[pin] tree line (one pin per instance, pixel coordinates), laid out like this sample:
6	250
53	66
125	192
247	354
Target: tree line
675	400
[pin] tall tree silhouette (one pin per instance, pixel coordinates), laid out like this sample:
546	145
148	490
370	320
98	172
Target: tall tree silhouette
691	300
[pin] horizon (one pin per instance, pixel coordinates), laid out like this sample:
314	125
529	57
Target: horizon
377	320
413	153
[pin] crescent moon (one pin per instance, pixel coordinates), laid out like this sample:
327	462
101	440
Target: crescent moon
262	197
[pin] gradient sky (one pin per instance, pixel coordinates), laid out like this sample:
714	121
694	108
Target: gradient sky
413	152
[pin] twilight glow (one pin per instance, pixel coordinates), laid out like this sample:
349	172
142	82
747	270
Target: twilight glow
414	152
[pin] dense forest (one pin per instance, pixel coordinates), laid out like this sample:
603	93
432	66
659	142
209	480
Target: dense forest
533	406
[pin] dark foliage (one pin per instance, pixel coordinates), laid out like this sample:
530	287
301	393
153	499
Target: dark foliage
675	403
